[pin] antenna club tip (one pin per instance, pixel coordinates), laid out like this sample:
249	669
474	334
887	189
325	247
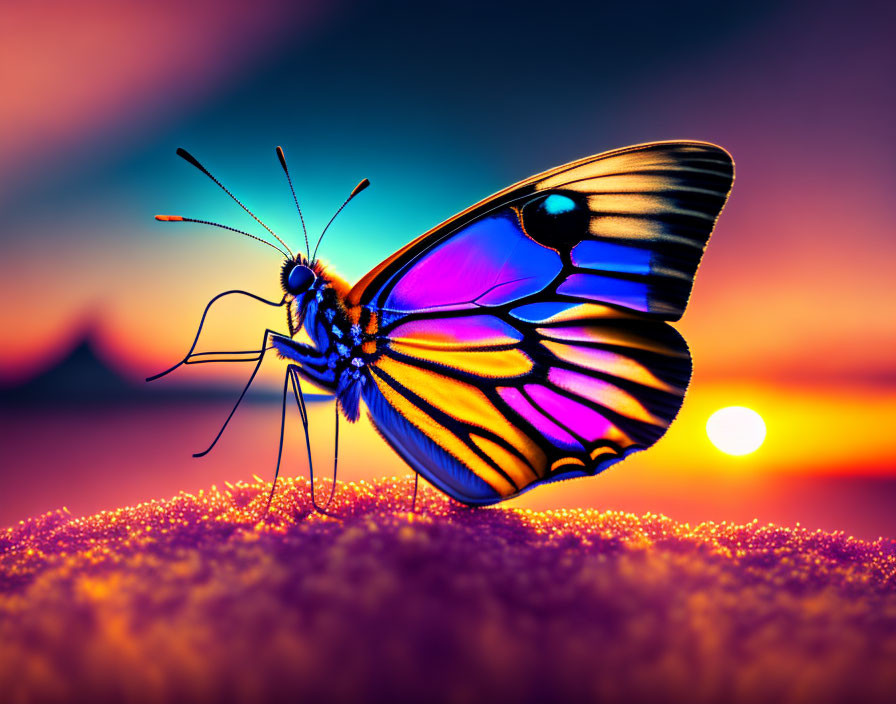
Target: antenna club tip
186	156
282	157
360	187
169	218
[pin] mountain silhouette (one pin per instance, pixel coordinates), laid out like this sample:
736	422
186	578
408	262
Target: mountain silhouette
81	375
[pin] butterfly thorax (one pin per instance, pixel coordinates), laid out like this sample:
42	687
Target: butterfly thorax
342	336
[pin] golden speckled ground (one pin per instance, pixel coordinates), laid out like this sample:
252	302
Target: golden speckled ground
192	600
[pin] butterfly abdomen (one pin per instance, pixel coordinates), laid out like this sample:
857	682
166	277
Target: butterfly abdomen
344	336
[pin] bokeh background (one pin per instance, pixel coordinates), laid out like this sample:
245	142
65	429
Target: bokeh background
438	105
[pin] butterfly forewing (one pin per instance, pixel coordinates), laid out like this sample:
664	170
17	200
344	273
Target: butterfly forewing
523	340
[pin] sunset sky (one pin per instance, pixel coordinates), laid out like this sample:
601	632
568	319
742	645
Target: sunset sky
439	106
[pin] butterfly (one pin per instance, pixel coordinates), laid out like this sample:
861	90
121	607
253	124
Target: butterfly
525	340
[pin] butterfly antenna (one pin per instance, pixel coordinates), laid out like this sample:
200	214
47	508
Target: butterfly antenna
184	154
178	218
282	157
357	189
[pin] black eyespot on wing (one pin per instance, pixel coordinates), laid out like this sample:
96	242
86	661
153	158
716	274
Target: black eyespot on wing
558	219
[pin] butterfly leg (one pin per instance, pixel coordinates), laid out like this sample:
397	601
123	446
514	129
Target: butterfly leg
293	373
300	402
286	381
226	353
311	363
264	348
187	358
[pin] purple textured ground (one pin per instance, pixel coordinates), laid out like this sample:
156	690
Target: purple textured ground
191	600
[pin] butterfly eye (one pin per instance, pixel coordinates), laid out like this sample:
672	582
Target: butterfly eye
556	220
299	279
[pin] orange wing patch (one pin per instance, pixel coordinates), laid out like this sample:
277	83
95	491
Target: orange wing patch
445	439
493	364
470	406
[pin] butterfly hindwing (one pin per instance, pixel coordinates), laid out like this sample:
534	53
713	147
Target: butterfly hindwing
524	341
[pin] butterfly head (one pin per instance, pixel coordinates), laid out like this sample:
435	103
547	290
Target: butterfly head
296	276
300	280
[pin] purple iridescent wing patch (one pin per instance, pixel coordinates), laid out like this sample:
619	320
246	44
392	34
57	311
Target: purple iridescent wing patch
488	263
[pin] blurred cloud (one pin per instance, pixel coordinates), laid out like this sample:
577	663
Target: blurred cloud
76	70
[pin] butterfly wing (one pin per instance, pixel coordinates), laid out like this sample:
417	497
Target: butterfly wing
524	340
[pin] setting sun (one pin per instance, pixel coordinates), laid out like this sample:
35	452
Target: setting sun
736	430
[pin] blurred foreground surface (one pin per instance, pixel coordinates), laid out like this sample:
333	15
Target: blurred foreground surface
95	458
190	599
